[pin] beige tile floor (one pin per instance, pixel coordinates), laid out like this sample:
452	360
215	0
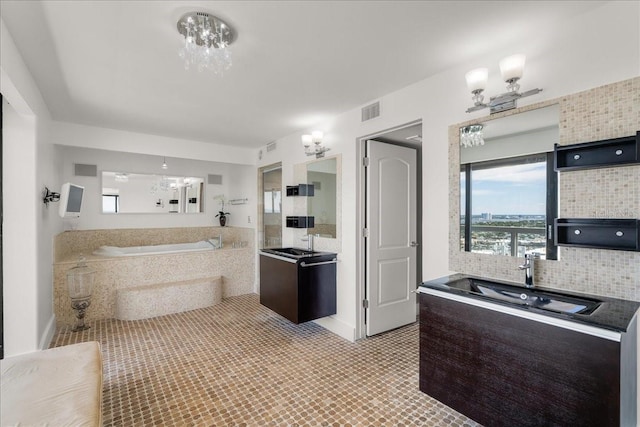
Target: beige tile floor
240	364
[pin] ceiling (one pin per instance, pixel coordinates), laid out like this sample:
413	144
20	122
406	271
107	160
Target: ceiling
115	64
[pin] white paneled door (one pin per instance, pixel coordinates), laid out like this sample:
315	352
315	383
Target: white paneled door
391	254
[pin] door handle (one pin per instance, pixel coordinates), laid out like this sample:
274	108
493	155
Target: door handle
414	244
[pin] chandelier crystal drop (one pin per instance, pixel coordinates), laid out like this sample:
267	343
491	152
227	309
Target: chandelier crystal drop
206	42
471	136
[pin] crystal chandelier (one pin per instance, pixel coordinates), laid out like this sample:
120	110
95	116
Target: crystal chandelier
471	136
206	42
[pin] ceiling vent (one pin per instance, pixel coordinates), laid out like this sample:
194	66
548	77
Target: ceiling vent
371	111
271	146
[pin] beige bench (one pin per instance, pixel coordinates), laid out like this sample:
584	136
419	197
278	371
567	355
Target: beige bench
61	386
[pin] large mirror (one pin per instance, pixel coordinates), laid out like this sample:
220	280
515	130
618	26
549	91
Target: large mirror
145	193
508	188
323	205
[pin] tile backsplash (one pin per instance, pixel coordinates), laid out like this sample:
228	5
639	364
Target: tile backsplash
610	111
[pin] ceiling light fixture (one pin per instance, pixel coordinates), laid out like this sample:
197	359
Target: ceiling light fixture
511	68
471	136
206	42
316	149
164	163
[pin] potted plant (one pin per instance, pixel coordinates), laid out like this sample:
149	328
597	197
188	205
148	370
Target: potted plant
222	215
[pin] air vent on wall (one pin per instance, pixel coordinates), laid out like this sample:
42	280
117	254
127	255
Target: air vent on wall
85	170
271	146
371	111
214	179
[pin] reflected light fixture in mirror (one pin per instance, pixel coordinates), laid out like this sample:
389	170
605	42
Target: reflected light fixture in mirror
511	69
471	136
164	163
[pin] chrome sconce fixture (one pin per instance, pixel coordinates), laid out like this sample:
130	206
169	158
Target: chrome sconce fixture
471	136
511	69
313	144
49	196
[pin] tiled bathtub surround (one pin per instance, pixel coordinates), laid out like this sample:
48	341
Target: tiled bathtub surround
235	266
606	112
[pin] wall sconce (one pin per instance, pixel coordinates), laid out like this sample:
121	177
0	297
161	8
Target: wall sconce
313	144
49	196
511	69
164	163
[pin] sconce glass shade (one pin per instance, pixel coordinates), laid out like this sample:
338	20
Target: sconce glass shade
477	79
512	67
316	136
306	140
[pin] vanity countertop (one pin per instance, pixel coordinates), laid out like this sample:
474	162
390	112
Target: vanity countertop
612	313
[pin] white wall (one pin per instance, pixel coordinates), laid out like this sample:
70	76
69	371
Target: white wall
131	142
28	226
238	181
578	58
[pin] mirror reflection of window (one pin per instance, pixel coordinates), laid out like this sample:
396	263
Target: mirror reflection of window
110	203
272	201
508	206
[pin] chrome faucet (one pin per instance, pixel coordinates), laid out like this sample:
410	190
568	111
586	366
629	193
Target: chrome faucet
529	268
310	242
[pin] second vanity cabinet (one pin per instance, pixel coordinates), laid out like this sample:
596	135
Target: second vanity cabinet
504	366
298	285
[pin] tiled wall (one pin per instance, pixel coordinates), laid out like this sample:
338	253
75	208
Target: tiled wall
609	111
235	266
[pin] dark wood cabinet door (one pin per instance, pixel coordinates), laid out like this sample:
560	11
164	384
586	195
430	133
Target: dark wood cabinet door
503	370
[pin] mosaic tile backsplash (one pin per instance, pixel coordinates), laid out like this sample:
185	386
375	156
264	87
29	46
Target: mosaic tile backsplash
610	111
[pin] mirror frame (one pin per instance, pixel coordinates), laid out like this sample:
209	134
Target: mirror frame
313	201
329	244
460	260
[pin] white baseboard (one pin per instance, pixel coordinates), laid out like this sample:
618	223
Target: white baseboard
338	327
49	331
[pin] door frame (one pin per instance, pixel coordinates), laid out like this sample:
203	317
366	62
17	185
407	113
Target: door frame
361	330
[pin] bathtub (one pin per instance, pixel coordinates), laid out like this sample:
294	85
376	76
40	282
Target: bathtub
115	251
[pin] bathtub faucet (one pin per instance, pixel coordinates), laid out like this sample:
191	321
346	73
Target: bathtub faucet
220	241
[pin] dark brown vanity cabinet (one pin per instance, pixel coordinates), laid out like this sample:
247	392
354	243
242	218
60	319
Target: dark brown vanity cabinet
505	370
300	289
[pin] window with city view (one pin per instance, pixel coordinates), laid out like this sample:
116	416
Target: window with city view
507	208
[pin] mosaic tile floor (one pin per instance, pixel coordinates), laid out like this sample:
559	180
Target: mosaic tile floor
240	364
